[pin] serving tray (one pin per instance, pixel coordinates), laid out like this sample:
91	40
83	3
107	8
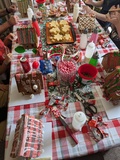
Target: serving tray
71	32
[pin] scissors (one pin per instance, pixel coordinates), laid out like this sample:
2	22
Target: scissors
90	109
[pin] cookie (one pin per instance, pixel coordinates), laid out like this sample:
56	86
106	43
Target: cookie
63	22
67	37
53	24
58	37
54	31
65	29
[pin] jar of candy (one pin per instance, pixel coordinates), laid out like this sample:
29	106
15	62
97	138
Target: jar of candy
66	71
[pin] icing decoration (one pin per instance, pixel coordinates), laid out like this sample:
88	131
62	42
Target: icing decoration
35	65
20	49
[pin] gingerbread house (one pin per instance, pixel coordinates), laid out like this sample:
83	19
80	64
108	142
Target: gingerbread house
28	138
22	7
70	5
111	60
27	37
30	83
112	85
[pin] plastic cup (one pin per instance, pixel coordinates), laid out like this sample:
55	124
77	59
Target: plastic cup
87	73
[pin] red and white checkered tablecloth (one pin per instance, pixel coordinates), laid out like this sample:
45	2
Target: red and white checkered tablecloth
61	142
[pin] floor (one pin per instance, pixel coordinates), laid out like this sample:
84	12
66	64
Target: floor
2	146
96	156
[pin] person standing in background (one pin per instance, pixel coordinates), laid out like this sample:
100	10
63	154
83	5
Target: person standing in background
105	6
113	18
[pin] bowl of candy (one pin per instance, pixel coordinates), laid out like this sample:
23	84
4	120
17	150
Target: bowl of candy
57	50
87	73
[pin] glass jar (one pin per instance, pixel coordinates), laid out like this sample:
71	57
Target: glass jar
66	71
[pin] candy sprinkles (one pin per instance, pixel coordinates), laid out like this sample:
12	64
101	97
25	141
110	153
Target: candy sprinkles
66	71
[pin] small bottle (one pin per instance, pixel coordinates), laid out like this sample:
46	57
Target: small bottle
30	13
83	39
94	36
75	12
78	121
94	59
89	51
35	25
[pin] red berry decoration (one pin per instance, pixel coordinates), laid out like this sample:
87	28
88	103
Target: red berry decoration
35	65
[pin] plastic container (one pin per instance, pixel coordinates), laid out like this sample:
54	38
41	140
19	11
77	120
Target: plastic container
78	121
35	25
87	73
89	51
30	13
94	36
94	60
75	12
83	39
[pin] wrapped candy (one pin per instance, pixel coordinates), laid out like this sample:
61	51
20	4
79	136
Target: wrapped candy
46	66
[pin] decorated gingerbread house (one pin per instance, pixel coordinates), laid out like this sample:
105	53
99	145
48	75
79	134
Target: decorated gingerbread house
30	83
27	37
112	85
22	6
70	5
28	138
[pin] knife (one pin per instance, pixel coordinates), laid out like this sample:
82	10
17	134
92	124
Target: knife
68	129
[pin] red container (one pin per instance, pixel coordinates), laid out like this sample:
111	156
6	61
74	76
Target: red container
25	64
87	73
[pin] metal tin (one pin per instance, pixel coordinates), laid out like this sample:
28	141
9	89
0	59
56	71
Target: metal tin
25	64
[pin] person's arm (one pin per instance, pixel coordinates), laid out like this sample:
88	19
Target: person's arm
8	39
5	63
94	3
114	18
12	21
97	15
118	29
6	11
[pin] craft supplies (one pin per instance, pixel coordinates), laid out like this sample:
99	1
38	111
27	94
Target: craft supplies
83	39
66	70
89	108
68	129
79	119
25	64
87	73
95	130
89	51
